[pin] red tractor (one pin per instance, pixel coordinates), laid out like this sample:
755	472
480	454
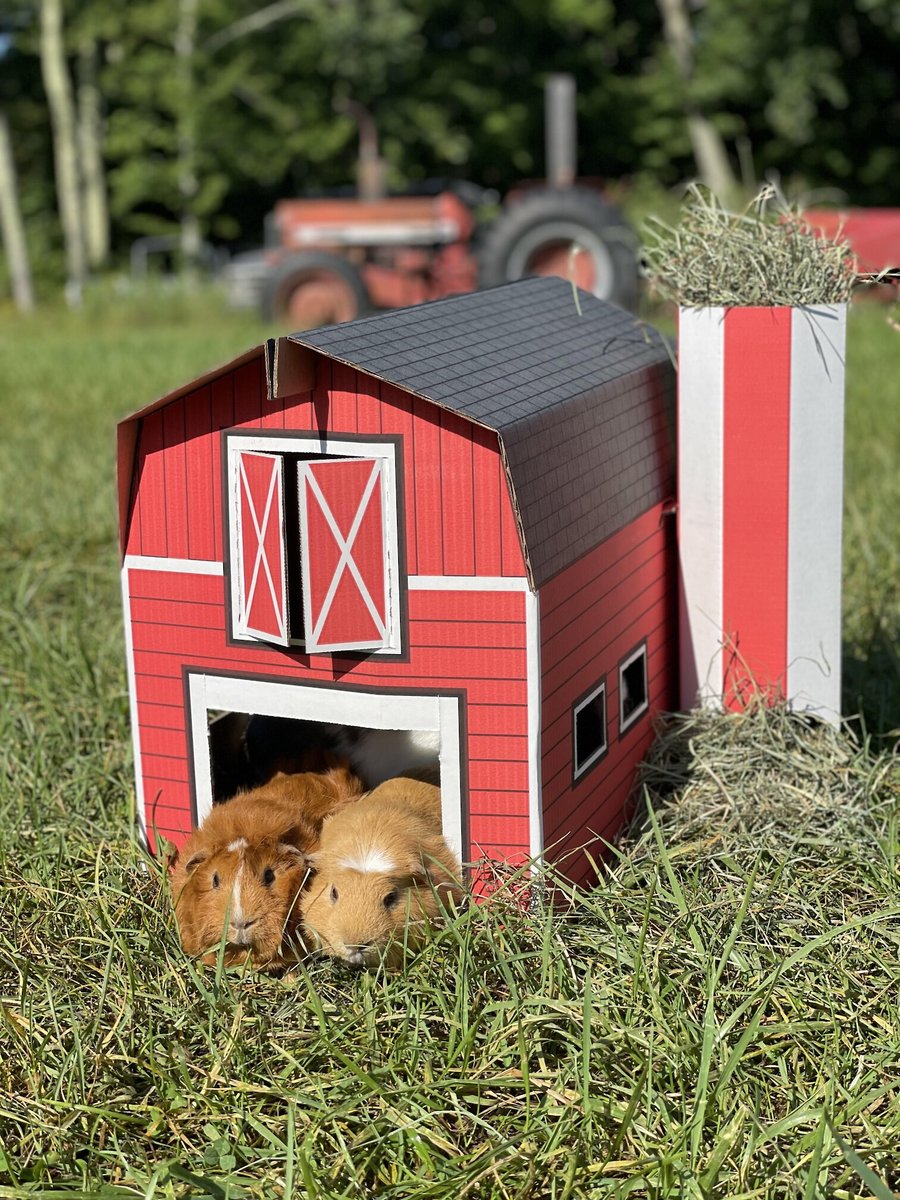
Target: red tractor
332	259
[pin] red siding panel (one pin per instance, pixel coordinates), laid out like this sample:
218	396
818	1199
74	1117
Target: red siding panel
592	617
200	480
342	396
397	418
425	478
222	417
457	508
368	404
175	585
180	622
249	389
176	480
152	484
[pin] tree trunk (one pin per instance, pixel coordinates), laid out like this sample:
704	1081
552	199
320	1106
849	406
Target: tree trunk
710	156
90	147
186	119
58	87
11	226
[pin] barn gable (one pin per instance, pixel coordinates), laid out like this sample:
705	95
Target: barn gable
581	400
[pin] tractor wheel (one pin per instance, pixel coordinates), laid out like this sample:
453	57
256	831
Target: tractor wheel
534	236
314	289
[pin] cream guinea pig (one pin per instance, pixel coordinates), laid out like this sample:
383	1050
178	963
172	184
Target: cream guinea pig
378	861
242	871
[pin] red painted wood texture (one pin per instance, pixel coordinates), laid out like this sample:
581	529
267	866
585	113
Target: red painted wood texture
591	617
345	493
756	429
471	640
458	517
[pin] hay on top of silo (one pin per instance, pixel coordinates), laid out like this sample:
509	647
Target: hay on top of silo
766	255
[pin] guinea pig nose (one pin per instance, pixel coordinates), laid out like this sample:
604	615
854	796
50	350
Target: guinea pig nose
356	958
244	924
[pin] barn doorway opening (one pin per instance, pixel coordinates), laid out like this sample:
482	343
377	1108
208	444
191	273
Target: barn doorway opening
243	730
247	749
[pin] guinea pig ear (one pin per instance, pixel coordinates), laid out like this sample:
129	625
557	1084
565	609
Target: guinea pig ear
294	852
195	860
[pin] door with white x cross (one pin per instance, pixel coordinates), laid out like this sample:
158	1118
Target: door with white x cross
262	591
314	542
342	550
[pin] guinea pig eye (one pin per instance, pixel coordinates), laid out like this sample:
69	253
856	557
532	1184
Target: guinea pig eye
215	879
268	877
334	895
391	898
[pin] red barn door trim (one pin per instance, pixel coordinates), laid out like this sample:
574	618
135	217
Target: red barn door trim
334	618
261	542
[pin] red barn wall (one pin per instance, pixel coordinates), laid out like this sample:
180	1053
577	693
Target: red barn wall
470	639
592	615
458	519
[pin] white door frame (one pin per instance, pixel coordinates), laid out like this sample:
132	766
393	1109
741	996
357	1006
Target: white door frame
346	706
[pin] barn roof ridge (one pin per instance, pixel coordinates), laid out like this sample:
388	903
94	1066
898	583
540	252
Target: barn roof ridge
546	352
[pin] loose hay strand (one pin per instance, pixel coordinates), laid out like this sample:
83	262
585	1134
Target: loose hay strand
766	255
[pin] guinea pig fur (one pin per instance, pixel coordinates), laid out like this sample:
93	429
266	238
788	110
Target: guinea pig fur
240	874
380	863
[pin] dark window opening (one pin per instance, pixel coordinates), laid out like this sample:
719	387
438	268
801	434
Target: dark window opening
633	699
590	730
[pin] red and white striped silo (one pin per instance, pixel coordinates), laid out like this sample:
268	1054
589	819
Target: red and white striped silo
760	493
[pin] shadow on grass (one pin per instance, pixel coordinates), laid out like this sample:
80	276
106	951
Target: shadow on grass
871	682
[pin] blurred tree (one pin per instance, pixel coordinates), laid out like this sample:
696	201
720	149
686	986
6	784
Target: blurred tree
11	227
193	116
58	86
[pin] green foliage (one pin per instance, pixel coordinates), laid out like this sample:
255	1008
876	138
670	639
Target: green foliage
805	90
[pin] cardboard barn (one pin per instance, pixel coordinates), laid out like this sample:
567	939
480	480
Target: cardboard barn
454	518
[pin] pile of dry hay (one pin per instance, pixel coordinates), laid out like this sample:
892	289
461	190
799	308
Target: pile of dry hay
765	255
764	777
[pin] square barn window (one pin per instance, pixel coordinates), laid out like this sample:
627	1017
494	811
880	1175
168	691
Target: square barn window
313	543
633	698
589	730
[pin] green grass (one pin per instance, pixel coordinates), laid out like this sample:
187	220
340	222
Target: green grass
718	1018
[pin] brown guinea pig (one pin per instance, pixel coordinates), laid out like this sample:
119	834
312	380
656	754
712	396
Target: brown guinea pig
380	862
240	873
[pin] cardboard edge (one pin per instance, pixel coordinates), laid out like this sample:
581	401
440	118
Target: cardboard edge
517	512
126	454
290	368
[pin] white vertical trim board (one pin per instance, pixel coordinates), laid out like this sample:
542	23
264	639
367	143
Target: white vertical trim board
132	703
815	510
343	706
533	674
701	388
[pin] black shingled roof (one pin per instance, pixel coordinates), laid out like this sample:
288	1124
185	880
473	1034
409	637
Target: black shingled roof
580	402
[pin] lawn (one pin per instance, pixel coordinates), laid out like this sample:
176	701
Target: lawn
720	1017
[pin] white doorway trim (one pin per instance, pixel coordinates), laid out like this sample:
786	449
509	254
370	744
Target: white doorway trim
347	706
